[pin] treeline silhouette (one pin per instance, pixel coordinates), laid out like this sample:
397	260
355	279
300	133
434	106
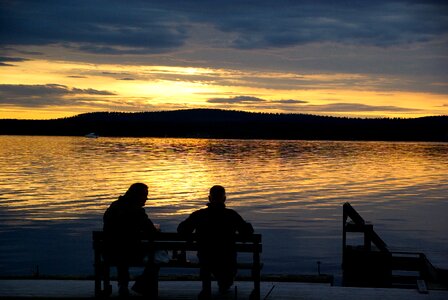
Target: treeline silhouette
213	123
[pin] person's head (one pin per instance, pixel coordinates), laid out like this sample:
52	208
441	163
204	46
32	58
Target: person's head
217	194
137	193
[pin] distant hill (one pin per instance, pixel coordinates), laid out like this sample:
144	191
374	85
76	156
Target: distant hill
213	123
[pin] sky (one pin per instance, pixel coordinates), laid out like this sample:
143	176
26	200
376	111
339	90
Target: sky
339	58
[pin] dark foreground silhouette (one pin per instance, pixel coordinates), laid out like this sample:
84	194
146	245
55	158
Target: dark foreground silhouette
216	227
124	223
373	264
212	123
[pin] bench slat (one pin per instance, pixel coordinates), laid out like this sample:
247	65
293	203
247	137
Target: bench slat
174	236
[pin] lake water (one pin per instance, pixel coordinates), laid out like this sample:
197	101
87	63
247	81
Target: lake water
54	190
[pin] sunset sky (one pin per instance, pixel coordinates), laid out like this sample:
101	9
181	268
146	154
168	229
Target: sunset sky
341	58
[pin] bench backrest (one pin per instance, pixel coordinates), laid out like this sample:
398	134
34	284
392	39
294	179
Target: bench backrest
188	242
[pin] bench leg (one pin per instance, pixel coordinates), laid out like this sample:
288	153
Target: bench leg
147	284
98	280
255	295
151	272
107	288
206	277
102	280
256	270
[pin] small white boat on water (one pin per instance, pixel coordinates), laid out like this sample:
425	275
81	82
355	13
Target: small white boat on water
92	135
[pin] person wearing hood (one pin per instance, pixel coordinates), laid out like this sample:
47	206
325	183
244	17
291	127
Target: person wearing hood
125	222
216	227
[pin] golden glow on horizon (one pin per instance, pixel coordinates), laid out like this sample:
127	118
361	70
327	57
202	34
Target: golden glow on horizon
145	88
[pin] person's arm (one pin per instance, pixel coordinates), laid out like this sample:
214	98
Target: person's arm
189	225
110	220
242	226
146	225
151	228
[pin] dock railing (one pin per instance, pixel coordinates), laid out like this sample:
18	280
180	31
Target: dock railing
373	264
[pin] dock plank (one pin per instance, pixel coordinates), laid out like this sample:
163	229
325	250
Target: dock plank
174	290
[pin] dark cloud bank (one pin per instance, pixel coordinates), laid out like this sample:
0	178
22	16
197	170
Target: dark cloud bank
29	96
44	95
139	27
303	106
250	99
9	61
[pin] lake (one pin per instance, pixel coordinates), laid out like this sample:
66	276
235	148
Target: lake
54	190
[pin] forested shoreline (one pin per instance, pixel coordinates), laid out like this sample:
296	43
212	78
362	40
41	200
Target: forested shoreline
212	123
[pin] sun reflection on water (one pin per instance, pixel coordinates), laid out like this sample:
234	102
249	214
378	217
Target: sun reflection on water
73	176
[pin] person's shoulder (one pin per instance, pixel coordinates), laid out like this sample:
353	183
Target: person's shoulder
113	206
117	203
232	212
140	211
200	211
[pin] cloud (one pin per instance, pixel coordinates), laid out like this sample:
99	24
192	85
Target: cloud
159	26
44	95
13	59
238	99
402	44
90	92
379	23
302	106
251	100
4	60
356	107
290	101
101	27
118	75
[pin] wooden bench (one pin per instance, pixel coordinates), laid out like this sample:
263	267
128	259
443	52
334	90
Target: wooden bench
177	245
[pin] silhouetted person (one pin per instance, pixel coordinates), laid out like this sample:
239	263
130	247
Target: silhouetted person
125	221
216	227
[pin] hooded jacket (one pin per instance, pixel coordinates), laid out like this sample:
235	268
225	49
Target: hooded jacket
124	225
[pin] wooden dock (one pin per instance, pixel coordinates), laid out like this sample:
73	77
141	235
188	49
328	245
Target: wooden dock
372	264
173	290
